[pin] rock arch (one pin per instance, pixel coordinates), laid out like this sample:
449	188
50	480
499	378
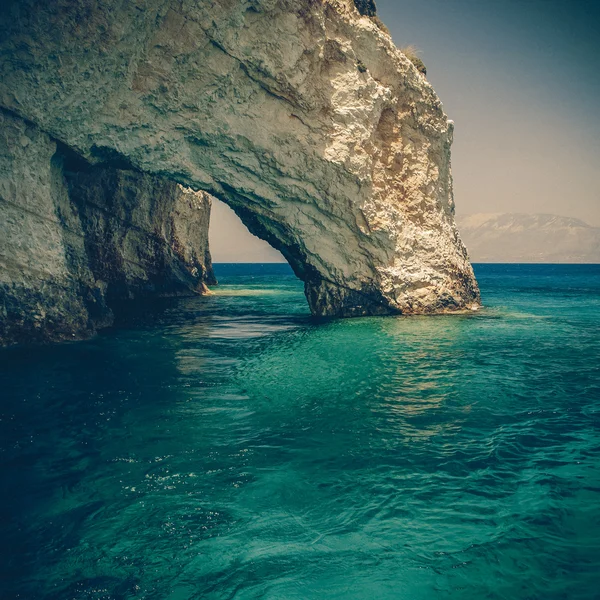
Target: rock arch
300	114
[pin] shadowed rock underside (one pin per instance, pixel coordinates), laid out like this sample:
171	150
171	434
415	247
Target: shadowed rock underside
76	240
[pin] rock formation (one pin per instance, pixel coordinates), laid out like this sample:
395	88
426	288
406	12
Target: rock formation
75	239
302	115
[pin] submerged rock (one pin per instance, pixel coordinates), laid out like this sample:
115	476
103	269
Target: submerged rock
302	115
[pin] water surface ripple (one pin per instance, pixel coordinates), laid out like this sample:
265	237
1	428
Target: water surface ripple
232	447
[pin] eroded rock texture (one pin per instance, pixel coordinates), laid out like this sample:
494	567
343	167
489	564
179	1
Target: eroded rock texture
300	114
75	239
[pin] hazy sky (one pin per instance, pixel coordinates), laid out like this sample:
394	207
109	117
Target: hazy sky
230	241
521	80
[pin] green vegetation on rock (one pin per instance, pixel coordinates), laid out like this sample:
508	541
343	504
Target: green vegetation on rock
413	55
366	7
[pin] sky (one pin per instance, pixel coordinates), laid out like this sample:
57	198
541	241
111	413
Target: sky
521	81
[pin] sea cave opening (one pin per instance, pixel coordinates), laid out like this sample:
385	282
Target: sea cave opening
230	241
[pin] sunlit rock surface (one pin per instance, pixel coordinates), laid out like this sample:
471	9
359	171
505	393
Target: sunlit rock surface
302	115
76	240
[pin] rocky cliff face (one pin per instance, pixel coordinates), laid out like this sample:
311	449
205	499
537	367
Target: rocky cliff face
76	240
302	115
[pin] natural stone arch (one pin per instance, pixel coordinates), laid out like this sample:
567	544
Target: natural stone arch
300	114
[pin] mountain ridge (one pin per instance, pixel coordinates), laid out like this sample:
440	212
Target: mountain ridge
529	237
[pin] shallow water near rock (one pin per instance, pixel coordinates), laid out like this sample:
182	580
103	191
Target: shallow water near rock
230	446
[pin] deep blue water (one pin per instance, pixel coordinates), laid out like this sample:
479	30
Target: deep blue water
232	447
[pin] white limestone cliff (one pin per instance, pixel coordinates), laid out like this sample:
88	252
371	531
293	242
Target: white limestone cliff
302	115
76	240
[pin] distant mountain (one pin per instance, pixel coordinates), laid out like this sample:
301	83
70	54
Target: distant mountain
517	237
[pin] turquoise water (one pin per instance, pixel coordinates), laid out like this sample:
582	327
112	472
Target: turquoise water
232	447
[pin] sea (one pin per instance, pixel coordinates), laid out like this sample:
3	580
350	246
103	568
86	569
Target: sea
233	447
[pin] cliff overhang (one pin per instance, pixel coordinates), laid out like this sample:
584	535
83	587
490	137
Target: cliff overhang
301	115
